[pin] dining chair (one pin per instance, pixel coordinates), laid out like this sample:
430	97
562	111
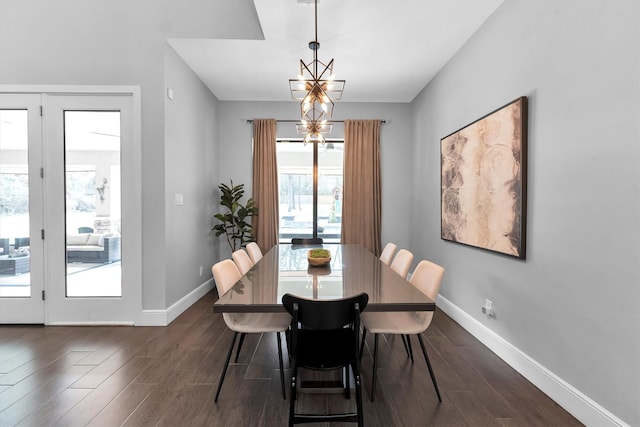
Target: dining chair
324	335
254	252
387	253
402	262
242	260
427	277
226	274
298	241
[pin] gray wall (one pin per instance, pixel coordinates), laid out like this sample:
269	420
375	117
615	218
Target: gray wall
235	136
573	304
190	170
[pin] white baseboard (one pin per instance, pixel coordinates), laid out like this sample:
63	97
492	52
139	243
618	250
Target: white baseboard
164	317
575	402
96	323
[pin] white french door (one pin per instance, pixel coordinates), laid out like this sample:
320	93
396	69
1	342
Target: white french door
84	222
21	210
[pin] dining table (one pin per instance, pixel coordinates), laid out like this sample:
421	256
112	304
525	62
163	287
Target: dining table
352	269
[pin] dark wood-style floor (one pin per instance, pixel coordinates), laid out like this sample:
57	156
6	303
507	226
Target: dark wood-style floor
166	376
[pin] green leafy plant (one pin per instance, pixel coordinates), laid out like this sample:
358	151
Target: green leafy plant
235	219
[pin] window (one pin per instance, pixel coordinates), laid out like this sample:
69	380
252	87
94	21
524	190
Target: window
310	180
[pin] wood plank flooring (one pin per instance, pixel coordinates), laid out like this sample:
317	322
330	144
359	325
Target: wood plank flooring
167	376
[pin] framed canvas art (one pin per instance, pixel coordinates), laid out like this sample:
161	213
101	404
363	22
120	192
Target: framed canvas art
484	181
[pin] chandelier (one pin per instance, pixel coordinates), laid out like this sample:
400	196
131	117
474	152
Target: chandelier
314	130
316	88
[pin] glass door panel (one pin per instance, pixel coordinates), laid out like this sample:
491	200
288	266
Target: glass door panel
92	190
330	166
21	279
295	178
299	208
15	280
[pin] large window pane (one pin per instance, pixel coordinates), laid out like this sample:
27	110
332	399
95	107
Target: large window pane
296	180
295	170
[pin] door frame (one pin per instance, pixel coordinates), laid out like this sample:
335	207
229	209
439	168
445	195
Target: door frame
131	202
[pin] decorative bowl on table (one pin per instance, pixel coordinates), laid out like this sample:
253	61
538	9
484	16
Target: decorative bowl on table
318	257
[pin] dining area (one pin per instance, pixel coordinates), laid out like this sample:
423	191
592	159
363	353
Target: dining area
258	294
450	378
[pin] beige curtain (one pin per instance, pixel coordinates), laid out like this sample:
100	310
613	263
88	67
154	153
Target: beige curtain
361	208
265	183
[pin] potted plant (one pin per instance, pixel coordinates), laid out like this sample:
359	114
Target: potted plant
235	219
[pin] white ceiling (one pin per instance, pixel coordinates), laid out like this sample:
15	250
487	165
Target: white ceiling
386	50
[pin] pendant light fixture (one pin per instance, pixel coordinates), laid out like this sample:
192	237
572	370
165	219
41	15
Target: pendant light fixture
316	88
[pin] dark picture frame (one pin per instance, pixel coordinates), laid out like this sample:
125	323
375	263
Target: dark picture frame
483	172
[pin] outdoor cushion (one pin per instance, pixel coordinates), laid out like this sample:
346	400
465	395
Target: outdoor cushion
95	239
77	239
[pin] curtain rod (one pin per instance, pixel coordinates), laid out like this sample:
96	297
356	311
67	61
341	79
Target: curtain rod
298	121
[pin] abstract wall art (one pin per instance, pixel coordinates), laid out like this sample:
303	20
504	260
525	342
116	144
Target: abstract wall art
484	181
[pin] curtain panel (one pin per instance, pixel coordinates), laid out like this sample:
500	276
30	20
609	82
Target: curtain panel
362	206
265	183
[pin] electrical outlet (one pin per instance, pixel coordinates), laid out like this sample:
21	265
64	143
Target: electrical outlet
201	271
487	308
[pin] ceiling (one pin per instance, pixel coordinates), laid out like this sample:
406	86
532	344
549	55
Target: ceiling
386	50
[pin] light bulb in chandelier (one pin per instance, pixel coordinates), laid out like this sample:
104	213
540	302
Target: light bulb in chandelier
314	137
314	131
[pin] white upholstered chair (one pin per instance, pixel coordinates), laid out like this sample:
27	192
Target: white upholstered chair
242	260
427	277
226	274
402	262
387	253
254	252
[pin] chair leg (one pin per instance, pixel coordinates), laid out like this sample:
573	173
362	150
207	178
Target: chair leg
404	342
292	397
408	337
239	346
286	341
426	358
284	395
226	365
375	359
347	381
364	335
358	380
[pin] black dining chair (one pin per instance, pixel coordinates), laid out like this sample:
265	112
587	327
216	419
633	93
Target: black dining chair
299	241
324	335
